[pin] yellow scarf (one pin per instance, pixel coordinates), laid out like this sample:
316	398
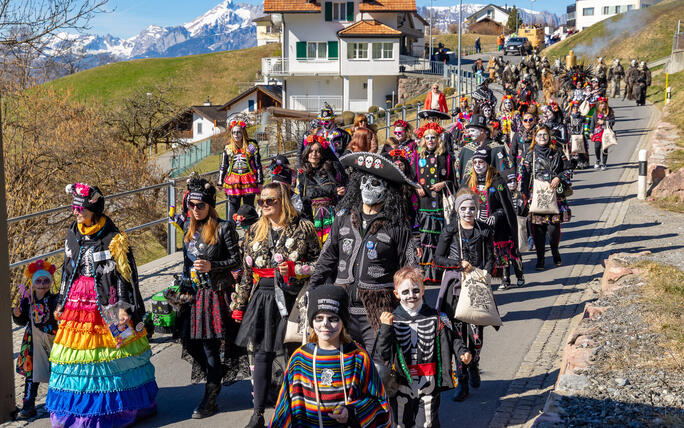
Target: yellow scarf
92	229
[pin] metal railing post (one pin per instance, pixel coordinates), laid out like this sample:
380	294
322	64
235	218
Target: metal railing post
403	112
170	229
387	123
417	118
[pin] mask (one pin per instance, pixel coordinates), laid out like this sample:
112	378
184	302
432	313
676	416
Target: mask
467	210
373	190
410	295
512	186
487	111
327	326
480	166
475	133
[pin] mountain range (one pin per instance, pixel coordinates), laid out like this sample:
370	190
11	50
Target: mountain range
226	26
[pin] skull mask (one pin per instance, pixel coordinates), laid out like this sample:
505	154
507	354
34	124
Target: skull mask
373	189
508	105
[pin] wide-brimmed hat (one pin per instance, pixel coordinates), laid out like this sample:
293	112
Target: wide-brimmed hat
375	164
428	114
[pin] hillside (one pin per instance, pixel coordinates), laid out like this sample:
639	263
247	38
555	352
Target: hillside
645	34
467	40
214	75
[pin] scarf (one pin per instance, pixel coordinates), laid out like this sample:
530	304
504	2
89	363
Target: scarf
93	228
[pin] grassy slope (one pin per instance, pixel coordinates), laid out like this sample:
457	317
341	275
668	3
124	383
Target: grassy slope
216	75
468	40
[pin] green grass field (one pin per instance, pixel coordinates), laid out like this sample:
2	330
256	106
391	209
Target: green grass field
215	75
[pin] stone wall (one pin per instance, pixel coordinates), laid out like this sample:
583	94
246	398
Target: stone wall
411	86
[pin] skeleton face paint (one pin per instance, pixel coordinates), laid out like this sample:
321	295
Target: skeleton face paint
430	141
508	105
512	186
487	111
327	326
373	190
476	134
410	295
236	131
548	113
467	210
480	166
327	124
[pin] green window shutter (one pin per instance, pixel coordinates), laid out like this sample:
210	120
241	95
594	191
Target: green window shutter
328	11
350	11
332	50
301	50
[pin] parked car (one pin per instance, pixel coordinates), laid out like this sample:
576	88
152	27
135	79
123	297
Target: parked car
518	45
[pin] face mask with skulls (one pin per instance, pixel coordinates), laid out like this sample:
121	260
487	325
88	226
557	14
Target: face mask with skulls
373	189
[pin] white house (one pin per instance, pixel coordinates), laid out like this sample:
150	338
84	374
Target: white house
586	13
344	53
207	120
254	100
491	11
266	31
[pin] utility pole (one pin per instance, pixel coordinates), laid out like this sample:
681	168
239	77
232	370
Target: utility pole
430	42
460	20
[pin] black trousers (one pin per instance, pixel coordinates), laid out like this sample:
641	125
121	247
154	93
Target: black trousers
361	331
261	378
539	232
207	353
234	203
601	157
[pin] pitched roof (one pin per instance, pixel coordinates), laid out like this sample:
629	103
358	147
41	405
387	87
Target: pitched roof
388	6
273	91
265	18
487	7
271	6
369	28
212	113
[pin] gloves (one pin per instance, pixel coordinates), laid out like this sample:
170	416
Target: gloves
491	221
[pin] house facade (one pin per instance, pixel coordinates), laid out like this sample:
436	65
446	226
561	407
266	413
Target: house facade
254	100
589	12
207	120
266	31
491	12
344	53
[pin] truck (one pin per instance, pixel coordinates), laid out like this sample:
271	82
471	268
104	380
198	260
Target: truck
534	35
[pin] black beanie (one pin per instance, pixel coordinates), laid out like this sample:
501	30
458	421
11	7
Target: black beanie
484	153
280	170
201	190
85	196
329	298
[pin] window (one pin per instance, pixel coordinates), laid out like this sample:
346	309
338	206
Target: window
269	29
357	50
199	128
617	9
606	10
630	7
316	50
339	11
250	105
588	11
383	50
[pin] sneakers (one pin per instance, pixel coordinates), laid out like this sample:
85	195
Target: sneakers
256	421
521	282
603	167
505	285
597	165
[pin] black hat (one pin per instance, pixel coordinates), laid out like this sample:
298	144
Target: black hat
427	114
245	216
509	174
85	196
201	190
329	298
484	153
479	121
377	165
280	170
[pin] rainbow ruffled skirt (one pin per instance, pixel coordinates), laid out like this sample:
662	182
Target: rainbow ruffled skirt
93	384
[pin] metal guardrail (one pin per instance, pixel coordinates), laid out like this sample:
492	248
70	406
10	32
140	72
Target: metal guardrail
170	201
189	156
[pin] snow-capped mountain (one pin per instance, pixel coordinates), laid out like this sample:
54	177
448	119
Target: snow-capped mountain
226	26
445	15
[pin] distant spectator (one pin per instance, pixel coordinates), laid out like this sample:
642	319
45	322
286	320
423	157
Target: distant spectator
478	46
435	100
361	121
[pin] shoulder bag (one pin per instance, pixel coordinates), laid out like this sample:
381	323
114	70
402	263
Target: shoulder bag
543	196
608	139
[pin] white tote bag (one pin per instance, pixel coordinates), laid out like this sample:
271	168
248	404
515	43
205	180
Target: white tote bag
543	196
577	145
585	107
448	203
523	244
608	139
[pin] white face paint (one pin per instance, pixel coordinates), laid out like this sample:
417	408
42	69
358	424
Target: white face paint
430	141
476	134
410	295
480	166
512	186
400	133
327	326
487	111
236	131
373	190
467	210
542	138
508	105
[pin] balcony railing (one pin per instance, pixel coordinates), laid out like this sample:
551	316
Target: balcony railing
275	66
313	103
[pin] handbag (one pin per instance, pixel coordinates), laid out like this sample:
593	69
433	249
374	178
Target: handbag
296	328
585	108
608	139
577	145
448	203
476	304
543	196
522	234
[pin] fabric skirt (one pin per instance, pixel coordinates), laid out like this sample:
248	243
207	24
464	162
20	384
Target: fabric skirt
504	253
210	314
240	184
565	214
431	225
94	383
323	217
263	328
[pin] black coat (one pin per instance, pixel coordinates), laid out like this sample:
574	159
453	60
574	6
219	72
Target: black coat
111	285
546	168
478	250
224	255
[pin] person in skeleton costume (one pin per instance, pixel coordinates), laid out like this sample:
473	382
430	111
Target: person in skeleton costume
369	241
630	78
433	119
552	118
462	116
240	173
419	342
478	133
509	79
601	72
328	129
509	118
331	381
642	80
464	244
402	149
496	209
578	129
546	162
526	94
615	75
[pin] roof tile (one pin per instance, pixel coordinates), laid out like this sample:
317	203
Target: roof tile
388	5
369	28
291	6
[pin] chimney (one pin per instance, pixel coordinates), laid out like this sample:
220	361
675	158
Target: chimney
207	102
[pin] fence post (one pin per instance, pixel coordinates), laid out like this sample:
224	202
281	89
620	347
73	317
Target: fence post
387	122
170	228
417	118
643	167
403	112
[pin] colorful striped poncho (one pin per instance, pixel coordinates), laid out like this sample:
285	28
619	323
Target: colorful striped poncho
296	406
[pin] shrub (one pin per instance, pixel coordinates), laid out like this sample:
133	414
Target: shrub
348	117
373	109
449	91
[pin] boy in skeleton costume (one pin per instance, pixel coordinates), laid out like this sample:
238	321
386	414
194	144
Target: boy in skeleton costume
418	342
370	239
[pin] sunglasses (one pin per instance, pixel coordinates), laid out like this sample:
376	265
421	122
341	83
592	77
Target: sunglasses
43	280
528	120
399	132
267	202
199	205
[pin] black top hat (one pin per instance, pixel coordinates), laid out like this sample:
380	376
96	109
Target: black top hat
427	114
377	165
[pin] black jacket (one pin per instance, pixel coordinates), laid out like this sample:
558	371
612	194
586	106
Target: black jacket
478	250
546	168
48	305
111	256
224	255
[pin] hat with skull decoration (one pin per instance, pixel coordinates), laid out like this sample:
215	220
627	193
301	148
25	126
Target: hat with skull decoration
199	189
375	164
86	196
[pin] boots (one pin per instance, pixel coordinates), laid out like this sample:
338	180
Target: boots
207	407
474	373
461	391
506	278
28	410
257	420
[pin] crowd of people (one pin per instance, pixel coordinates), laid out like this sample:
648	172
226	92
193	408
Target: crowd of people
327	277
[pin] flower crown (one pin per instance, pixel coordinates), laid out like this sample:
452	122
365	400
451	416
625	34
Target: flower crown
603	100
39	265
317	139
463	99
239	123
434	126
507	97
400	123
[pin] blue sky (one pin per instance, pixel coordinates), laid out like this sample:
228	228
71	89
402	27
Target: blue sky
129	17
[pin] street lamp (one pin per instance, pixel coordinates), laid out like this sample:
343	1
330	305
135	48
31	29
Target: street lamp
430	42
460	20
